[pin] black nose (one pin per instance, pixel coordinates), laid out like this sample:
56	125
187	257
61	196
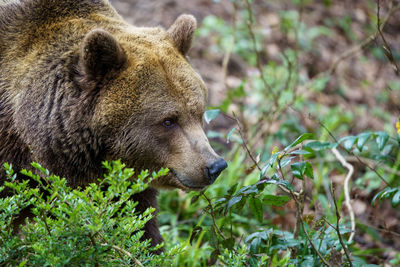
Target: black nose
214	169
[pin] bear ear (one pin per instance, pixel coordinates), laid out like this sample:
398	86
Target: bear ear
181	32
100	53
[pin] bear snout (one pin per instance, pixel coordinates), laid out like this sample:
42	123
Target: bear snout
214	169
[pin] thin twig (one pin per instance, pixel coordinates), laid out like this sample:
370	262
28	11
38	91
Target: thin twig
306	233
213	217
355	49
386	46
258	55
357	157
245	143
228	52
337	228
347	191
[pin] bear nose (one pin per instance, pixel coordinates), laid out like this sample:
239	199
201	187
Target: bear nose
215	169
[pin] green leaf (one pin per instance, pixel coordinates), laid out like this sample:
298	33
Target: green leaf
301	168
381	139
276	200
270	163
256	208
285	162
396	198
301	152
319	84
362	139
300	139
277	182
211	114
249	189
348	141
233	201
196	230
318	146
309	172
228	243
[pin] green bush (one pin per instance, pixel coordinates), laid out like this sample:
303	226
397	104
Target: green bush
96	225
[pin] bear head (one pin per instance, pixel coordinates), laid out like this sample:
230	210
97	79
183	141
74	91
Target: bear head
150	101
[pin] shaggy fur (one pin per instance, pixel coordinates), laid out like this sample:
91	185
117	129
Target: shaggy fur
78	85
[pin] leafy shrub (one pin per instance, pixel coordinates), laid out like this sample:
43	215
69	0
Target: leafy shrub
96	225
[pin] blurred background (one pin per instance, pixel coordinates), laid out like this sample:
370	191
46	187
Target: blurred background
277	70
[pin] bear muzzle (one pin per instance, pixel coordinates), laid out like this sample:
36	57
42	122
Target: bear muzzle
214	169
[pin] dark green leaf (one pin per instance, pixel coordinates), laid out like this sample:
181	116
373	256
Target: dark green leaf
378	196
297	169
270	163
232	189
211	114
277	182
381	139
301	152
228	243
249	189
318	146
276	200
256	208
233	201
348	141
362	139
300	139
396	198
301	168
285	162
196	230
255	245
309	170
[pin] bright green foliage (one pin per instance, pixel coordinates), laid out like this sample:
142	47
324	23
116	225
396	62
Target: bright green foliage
96	225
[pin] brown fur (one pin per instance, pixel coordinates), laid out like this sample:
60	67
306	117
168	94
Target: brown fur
78	85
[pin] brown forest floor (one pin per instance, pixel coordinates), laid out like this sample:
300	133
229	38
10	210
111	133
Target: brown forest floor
353	72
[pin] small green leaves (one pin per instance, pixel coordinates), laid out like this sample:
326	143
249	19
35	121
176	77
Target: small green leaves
319	146
256	208
381	139
362	139
348	141
299	169
276	200
389	193
211	114
233	201
196	230
300	139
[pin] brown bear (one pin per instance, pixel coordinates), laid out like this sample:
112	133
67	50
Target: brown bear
78	85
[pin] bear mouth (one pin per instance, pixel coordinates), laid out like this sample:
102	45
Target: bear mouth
183	184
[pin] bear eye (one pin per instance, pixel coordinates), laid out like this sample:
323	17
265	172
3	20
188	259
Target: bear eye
169	123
